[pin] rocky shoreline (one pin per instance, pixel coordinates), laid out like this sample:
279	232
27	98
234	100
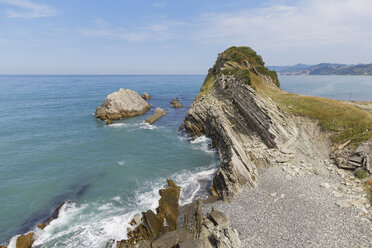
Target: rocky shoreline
286	180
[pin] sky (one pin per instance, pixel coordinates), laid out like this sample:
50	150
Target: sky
177	37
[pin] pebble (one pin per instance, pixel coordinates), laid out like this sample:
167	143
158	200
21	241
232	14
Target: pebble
325	185
282	196
337	194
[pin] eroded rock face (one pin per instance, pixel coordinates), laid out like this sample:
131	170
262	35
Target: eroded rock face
158	112
123	103
243	125
175	103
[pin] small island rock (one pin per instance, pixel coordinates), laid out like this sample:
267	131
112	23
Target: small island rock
158	112
123	103
175	103
146	96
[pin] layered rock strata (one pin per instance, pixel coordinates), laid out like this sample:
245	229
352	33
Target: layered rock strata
123	103
158	112
242	124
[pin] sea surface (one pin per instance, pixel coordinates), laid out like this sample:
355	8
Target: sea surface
53	149
354	88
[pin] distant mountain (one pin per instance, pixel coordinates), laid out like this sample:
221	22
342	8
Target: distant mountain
323	69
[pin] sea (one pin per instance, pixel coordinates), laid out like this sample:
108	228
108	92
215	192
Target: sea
54	150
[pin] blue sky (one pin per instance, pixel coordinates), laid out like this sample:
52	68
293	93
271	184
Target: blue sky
177	37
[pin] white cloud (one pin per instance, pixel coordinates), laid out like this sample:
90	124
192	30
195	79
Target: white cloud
306	24
159	4
164	30
29	10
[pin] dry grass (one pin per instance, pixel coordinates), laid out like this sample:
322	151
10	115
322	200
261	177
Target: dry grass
346	122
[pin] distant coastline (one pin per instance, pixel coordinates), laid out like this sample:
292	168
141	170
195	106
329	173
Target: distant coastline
324	69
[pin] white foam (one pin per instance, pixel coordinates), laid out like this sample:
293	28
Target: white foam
95	224
121	162
203	143
116	125
144	125
12	242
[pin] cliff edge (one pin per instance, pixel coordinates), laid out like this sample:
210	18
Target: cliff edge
253	123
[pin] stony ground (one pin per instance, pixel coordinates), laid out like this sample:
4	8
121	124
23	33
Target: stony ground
294	207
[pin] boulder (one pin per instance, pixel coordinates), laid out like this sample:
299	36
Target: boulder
219	219
108	122
169	204
158	112
146	96
25	240
175	103
123	103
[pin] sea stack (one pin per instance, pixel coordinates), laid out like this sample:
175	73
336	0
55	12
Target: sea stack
123	103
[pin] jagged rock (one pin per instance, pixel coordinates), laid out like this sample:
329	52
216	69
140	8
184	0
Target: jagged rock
153	225
169	204
25	240
170	239
219	219
146	96
123	103
175	103
108	122
52	217
158	112
136	220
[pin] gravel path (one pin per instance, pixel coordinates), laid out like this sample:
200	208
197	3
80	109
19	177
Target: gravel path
295	212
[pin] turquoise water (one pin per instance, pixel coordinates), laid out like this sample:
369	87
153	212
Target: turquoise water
353	88
52	149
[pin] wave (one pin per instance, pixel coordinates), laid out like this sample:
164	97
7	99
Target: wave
122	162
95	224
144	125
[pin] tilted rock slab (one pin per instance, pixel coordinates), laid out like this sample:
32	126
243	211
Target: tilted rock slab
158	112
239	121
123	103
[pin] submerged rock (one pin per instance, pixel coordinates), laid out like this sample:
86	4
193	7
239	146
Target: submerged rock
146	96
52	217
175	103
158	112
123	103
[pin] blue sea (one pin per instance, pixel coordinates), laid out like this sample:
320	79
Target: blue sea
53	149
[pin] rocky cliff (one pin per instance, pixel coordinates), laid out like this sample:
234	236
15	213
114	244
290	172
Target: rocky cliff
245	127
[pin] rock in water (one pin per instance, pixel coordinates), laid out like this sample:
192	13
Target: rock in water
123	103
146	96
158	112
25	241
175	103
